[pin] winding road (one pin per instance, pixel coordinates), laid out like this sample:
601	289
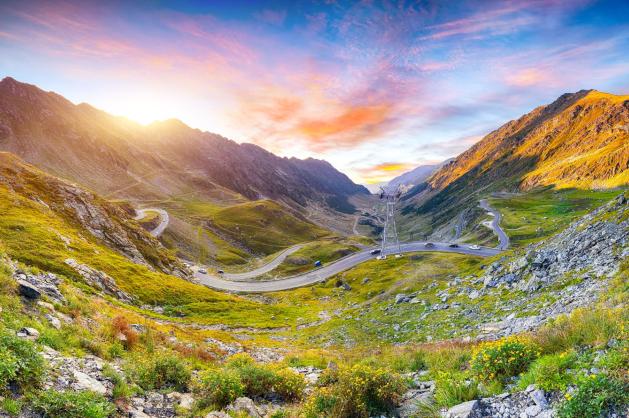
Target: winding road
329	270
163	223
263	269
241	282
503	238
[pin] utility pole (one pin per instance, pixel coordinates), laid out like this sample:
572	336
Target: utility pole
390	238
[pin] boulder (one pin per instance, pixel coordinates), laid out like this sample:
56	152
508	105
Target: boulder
28	290
246	405
463	410
29	333
401	298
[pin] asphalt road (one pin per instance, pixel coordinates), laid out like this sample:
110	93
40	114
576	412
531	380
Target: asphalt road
329	270
503	238
163	223
265	268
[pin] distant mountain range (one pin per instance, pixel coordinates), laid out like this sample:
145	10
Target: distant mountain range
580	140
415	176
122	159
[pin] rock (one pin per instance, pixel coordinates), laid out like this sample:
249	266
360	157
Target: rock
100	280
474	294
463	410
54	321
244	404
86	382
410	403
28	290
346	286
621	199
217	414
29	333
46	305
532	411
539	397
401	298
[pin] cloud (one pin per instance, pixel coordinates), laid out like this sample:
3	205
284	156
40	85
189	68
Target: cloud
272	17
449	148
383	172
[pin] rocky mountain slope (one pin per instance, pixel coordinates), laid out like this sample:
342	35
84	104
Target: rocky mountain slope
580	140
109	223
117	157
415	176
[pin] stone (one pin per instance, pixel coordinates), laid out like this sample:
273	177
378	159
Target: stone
401	298
54	321
28	290
539	397
532	410
244	404
46	305
217	414
474	294
463	410
27	332
86	382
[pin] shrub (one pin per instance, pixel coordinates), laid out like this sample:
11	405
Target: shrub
581	327
70	404
121	389
359	391
219	388
258	380
550	372
21	365
289	385
503	358
164	372
453	389
11	406
120	326
409	362
595	394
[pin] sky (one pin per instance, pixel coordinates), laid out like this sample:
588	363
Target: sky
374	87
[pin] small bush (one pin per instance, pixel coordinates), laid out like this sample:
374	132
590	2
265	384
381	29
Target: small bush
11	406
70	404
594	396
219	388
258	380
21	365
121	389
453	389
120	326
503	358
289	385
359	391
582	327
164	372
550	372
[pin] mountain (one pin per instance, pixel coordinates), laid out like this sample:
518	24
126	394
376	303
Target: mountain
415	176
580	140
119	158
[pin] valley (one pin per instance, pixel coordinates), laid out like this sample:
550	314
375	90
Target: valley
176	284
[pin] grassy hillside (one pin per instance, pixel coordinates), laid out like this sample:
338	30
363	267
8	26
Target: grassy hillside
264	226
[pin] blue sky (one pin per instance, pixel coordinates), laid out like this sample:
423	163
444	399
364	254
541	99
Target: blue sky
374	87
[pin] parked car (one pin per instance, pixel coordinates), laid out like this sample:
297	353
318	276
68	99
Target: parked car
317	263
220	272
474	247
429	245
381	257
376	251
203	271
453	245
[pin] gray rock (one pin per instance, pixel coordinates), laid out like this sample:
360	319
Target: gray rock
28	290
86	382
54	321
463	410
539	397
246	405
401	298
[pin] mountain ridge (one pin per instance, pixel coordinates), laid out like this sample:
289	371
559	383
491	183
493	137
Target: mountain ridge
103	152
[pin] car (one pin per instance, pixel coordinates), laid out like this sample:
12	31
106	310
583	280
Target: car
474	247
317	263
381	257
429	245
375	251
203	271
453	245
220	272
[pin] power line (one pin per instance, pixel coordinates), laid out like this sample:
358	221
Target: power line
390	240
